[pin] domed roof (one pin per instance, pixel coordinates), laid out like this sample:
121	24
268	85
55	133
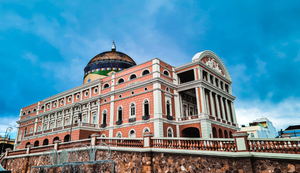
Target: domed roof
106	63
112	55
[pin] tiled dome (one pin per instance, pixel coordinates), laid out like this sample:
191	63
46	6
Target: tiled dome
104	63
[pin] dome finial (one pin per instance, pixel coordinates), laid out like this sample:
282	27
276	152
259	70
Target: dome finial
113	47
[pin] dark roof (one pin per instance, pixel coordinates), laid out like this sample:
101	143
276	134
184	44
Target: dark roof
295	127
112	55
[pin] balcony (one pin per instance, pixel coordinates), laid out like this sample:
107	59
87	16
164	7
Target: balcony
131	120
146	117
119	122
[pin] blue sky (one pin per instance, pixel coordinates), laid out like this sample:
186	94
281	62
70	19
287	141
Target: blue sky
44	47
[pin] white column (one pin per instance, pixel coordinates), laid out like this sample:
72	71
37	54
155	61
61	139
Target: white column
157	105
111	119
112	82
207	103
228	111
206	128
195	73
98	113
197	100
199	73
55	118
212	104
63	116
38	108
43	122
218	106
157	102
35	124
177	130
177	104
155	68
48	122
233	112
223	110
89	112
90	92
203	102
65	100
175	77
81	93
73	95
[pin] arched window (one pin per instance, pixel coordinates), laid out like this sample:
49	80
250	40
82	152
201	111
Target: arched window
121	80
36	143
24	113
25	133
120	113
220	133
166	73
84	119
52	125
20	136
225	133
28	143
168	107
29	112
45	127
59	123
39	128
119	135
34	110
45	142
146	130
103	136
145	72
214	130
105	85
133	76
31	130
170	132
67	122
131	134
146	107
132	109
104	116
55	139
67	138
94	119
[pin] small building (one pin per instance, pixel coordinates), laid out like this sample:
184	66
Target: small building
290	132
6	143
260	128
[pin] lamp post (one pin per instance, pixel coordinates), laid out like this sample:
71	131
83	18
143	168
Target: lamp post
79	115
9	129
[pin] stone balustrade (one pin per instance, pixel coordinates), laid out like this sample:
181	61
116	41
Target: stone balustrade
239	143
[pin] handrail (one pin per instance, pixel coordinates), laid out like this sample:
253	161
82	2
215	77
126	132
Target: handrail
196	139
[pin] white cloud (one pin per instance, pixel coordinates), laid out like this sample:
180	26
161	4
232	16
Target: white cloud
5	122
31	57
282	114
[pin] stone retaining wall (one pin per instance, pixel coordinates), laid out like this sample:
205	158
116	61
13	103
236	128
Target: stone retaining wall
146	162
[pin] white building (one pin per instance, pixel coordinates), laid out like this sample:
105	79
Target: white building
260	128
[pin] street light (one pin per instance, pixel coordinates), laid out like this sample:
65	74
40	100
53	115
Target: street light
79	116
9	129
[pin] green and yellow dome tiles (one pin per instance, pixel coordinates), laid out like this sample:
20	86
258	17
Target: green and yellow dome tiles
106	63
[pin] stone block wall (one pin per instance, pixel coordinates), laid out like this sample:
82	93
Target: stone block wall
147	162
